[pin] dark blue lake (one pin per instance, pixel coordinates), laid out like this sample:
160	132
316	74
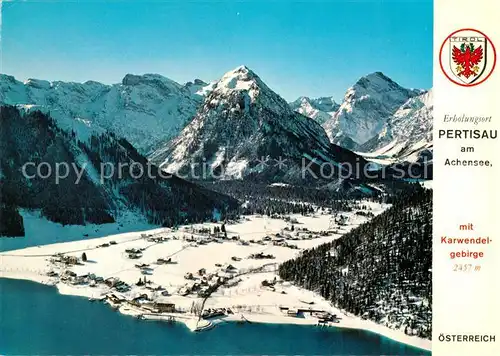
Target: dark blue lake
36	319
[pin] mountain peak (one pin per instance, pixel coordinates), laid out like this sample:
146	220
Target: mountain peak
37	83
328	102
367	107
199	89
301	100
148	78
199	82
243	69
319	109
378	81
378	74
241	77
241	120
242	86
5	78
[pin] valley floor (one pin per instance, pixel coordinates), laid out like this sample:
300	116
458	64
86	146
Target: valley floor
182	267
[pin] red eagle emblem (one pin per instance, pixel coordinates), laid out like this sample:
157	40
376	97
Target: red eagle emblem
467	59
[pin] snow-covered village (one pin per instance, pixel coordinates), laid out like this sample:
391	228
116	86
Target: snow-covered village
204	274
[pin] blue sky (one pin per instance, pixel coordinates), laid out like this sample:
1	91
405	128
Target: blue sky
317	48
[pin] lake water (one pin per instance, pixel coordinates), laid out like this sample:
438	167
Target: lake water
36	319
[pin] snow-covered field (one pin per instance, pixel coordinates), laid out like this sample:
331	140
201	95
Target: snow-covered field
39	230
189	251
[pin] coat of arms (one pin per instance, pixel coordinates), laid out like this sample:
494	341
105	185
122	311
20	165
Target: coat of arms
468	58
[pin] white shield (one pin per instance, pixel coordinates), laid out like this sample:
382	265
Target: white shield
468	57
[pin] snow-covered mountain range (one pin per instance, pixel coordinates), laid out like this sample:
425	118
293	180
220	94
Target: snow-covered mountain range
236	127
145	109
243	129
378	118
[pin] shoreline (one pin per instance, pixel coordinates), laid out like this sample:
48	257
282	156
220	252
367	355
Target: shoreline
190	321
413	341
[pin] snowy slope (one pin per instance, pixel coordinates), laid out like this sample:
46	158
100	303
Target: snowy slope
199	89
242	122
89	192
320	109
144	109
368	105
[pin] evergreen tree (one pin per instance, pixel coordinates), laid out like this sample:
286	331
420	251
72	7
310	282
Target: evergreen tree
379	269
